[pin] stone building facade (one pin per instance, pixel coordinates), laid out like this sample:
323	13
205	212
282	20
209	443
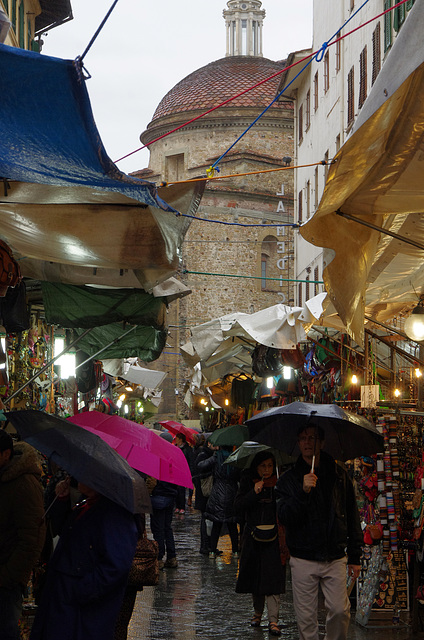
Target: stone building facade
237	254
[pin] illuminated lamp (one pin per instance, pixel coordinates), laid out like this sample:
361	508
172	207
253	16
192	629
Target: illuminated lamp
414	324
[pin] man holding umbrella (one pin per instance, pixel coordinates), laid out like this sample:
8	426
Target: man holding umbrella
318	508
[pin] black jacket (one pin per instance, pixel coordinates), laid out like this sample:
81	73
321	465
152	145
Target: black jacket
202	453
220	505
260	569
322	525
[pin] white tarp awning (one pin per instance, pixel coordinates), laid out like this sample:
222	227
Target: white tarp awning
225	345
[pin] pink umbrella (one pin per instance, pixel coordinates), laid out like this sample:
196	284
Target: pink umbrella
143	449
177	427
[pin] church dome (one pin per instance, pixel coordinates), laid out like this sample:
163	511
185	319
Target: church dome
221	80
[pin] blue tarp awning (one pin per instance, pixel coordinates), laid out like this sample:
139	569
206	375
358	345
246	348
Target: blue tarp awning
64	202
47	130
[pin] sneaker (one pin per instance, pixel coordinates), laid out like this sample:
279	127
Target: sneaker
236	554
171	563
218	552
161	564
212	555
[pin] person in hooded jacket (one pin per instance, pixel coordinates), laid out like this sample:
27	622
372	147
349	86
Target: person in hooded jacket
220	505
202	452
88	571
22	528
261	571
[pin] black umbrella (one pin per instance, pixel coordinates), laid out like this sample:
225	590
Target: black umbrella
85	456
347	435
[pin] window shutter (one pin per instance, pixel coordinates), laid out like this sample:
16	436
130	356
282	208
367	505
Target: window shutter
387	25
350	97
14	15
376	53
300	123
22	25
316	278
362	76
300	207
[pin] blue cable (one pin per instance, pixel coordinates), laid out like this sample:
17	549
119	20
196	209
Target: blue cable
321	54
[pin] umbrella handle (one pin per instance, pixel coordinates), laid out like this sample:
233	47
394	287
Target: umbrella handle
50	506
313	464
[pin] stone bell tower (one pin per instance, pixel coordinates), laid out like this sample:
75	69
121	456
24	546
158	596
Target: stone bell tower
244	21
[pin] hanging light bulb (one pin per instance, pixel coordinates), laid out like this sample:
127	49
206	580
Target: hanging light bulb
418	373
397	393
354	379
414	324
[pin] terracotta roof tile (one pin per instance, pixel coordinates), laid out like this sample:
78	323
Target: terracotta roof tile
220	80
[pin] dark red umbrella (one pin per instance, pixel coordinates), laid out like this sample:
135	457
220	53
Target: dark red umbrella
178	428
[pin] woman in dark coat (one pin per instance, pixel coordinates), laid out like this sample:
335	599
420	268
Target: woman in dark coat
87	573
261	572
220	505
202	452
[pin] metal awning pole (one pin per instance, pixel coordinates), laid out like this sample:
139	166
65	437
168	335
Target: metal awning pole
107	346
46	366
370	225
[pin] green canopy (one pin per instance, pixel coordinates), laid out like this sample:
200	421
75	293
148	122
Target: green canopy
146	343
109	313
72	306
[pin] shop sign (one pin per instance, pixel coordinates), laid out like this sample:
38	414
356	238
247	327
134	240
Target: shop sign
282	250
370	395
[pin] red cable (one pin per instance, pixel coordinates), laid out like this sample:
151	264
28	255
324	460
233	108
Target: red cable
181	126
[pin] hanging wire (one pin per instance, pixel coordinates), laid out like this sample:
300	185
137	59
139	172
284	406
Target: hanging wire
311	55
234	275
293	225
240	175
318	57
102	24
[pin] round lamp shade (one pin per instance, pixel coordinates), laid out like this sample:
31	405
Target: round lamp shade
414	325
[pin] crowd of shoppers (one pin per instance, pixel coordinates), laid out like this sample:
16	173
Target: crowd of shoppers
312	507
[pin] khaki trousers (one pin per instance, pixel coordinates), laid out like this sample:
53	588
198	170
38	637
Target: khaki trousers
272	604
307	576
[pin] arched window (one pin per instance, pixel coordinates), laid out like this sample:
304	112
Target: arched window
269	258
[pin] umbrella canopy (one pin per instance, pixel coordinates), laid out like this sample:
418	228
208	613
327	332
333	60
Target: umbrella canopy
85	456
163	434
141	447
245	454
347	435
232	436
177	428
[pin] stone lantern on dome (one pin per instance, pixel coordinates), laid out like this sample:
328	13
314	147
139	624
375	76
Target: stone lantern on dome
244	21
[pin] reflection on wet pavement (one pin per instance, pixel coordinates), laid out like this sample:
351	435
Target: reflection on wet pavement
197	600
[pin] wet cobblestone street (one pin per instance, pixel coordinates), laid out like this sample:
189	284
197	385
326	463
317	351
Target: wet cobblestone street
197	600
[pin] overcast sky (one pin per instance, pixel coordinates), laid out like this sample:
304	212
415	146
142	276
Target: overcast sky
145	48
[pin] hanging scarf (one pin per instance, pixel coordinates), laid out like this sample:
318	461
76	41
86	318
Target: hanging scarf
268	482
